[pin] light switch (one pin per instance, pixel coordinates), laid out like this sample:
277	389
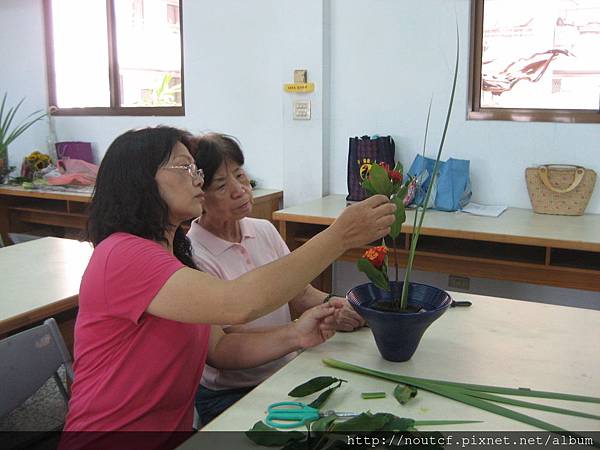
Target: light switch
300	76
301	109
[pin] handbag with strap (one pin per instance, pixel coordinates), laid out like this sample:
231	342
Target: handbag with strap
362	153
452	188
560	189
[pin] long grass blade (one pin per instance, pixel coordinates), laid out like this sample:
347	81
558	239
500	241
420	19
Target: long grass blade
411	255
417	231
450	392
459	395
474	387
421	423
524	404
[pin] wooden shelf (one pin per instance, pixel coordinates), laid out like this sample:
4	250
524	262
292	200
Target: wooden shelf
518	246
33	211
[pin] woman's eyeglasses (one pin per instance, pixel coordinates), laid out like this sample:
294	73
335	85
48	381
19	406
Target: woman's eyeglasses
192	169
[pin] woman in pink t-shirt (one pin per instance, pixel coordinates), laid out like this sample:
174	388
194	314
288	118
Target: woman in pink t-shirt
142	335
227	243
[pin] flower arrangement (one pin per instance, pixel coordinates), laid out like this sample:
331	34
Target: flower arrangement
35	162
389	182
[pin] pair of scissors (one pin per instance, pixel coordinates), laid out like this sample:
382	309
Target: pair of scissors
296	414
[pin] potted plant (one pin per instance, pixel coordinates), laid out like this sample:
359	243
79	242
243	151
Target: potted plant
399	312
10	132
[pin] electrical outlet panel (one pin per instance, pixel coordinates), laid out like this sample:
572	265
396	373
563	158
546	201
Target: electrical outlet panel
456	282
301	109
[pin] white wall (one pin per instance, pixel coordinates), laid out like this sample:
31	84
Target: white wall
23	71
389	56
375	64
235	68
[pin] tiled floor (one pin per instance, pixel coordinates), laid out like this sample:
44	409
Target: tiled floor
44	411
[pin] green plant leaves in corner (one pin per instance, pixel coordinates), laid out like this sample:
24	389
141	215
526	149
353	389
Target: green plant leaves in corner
378	277
314	385
405	393
263	434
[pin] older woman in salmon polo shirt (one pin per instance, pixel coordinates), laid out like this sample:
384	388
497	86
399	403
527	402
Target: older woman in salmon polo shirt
227	243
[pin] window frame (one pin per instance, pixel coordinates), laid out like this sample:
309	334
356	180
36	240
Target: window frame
113	67
476	112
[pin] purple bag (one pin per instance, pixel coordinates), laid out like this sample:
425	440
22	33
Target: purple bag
75	150
362	153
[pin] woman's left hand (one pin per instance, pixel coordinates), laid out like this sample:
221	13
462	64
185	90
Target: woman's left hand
346	318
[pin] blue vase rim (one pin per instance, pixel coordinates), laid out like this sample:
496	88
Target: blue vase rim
445	304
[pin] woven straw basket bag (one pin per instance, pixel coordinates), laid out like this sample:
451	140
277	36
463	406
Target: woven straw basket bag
560	189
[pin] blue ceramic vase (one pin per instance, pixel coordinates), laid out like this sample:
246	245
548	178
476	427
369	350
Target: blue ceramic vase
397	334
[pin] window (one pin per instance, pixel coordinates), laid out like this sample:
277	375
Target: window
114	57
535	60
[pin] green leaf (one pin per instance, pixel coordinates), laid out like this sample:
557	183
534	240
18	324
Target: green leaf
368	186
400	217
322	425
515	402
263	434
422	423
444	389
379	180
378	277
322	398
363	422
405	393
313	385
372	395
396	423
523	392
399	167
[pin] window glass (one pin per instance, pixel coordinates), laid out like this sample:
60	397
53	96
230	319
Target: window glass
114	56
80	53
541	54
149	53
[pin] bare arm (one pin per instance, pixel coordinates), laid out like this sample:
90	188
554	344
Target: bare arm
195	297
247	350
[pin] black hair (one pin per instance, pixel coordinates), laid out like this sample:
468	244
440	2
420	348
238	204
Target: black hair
126	196
212	149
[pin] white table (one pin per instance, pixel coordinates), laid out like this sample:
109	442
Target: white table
39	279
496	341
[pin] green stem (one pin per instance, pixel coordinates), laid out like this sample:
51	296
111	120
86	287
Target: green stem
417	231
395	247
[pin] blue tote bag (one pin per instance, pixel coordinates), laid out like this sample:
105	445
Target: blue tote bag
452	188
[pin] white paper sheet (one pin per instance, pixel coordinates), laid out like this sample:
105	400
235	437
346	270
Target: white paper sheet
484	210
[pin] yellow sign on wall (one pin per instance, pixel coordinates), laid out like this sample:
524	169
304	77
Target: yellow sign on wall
299	87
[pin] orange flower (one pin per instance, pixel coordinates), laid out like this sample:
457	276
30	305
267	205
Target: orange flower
376	255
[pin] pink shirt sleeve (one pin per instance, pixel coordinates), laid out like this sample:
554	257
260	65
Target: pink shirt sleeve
277	241
136	270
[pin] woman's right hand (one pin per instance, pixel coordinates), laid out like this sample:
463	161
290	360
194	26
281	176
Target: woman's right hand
365	221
